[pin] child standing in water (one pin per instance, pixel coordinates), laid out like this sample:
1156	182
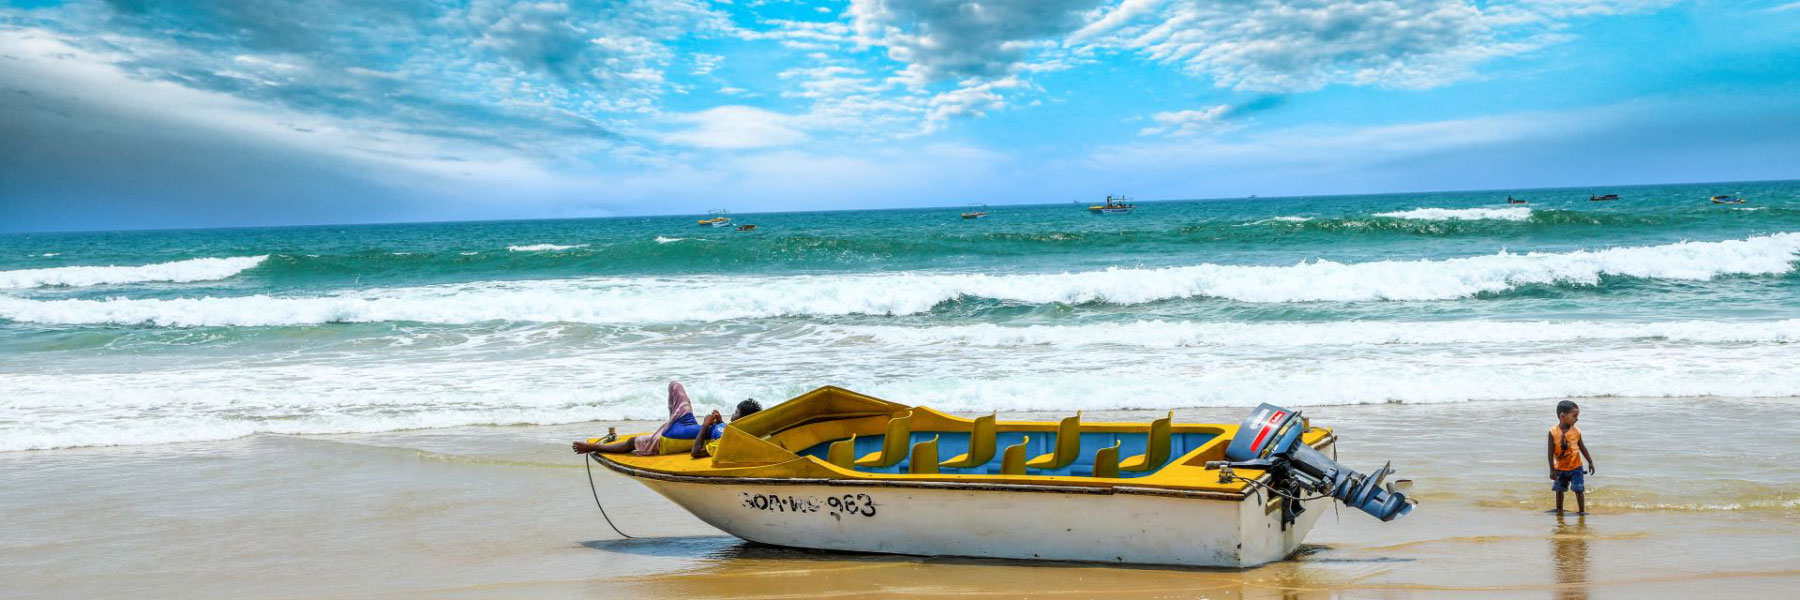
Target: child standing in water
1566	452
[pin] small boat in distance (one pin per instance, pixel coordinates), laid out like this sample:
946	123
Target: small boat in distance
1727	200
1115	205
1603	198
1512	200
746	228
716	218
976	211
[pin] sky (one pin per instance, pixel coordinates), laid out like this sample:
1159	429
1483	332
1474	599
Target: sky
121	114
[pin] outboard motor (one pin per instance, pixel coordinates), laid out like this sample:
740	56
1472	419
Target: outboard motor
1269	440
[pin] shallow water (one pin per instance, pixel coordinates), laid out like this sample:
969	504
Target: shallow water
1681	507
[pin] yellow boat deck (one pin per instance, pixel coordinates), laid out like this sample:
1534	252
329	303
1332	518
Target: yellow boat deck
839	435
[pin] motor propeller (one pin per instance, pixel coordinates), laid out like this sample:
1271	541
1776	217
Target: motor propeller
1269	440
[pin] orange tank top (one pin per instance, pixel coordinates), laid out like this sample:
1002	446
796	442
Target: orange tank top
1568	449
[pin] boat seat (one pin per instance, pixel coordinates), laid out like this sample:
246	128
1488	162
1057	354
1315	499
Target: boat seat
1068	446
842	452
1156	451
1012	462
1106	461
893	447
982	443
924	457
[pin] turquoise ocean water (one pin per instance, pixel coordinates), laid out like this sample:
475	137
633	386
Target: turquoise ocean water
158	336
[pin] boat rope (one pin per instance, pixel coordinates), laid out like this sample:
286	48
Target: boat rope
587	462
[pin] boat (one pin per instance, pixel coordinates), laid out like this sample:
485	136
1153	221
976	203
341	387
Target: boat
716	218
1728	200
746	228
1603	198
833	469
1512	200
1115	205
976	211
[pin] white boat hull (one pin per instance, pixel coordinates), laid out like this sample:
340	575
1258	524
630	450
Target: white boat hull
1136	528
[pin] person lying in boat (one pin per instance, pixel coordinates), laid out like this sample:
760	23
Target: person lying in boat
714	426
675	436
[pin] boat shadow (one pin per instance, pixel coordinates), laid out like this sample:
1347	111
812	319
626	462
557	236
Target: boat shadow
689	546
726	548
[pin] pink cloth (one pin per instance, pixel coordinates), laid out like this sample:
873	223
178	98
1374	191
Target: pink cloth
646	445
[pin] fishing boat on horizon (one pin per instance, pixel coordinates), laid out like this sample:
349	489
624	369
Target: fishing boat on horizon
716	218
1115	205
1603	198
833	469
976	211
1729	199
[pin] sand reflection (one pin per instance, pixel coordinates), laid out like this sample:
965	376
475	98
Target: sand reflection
1569	555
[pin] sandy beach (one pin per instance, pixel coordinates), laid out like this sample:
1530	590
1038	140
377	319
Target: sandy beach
1694	498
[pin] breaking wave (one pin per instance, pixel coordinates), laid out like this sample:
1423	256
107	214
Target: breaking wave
1164	334
545	247
714	298
181	271
1518	213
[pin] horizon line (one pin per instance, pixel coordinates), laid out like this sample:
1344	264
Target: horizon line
872	208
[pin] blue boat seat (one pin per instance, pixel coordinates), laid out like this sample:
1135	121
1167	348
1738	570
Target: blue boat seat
982	443
1068	446
1156	451
893	447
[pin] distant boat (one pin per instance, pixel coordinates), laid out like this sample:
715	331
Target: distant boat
1115	205
746	228
717	219
1728	200
1603	198
1512	200
976	211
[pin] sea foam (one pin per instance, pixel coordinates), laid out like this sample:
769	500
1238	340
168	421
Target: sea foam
545	247
181	271
209	402
1177	334
716	298
1516	213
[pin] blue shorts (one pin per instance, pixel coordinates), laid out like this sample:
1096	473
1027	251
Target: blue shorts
685	428
1569	479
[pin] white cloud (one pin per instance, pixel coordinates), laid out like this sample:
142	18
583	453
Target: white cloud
735	128
970	100
804	35
1304	45
1187	122
957	40
705	64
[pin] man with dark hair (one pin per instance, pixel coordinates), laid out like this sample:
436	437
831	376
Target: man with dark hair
1566	452
713	427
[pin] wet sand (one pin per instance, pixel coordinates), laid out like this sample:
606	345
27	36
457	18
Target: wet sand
1694	498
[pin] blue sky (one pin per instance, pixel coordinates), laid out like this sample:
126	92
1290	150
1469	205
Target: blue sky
162	113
